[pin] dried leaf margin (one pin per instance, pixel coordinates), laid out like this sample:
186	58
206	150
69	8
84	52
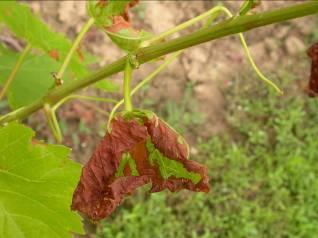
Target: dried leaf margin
108	177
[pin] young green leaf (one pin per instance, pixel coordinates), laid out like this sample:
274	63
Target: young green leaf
112	16
32	80
36	183
129	39
26	25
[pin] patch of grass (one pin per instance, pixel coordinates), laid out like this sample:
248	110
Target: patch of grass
264	176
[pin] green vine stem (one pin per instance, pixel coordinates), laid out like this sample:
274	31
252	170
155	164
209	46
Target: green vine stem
250	58
127	81
97	109
14	71
212	14
226	28
74	47
84	97
246	6
53	123
51	112
141	84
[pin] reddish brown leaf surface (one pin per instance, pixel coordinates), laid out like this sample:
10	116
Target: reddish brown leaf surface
313	82
167	141
119	23
99	191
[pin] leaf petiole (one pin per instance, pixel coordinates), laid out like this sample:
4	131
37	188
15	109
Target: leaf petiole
213	13
53	123
14	71
146	54
50	112
143	83
83	97
74	47
250	58
210	13
127	87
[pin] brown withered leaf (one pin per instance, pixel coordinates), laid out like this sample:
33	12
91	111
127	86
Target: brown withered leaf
313	81
173	146
101	190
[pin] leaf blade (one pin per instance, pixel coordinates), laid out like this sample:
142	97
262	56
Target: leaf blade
112	16
26	25
32	80
106	179
29	198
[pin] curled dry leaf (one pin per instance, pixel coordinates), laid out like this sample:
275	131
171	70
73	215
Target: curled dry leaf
313	81
137	151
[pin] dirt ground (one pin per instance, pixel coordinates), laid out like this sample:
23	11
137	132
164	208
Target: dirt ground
210	67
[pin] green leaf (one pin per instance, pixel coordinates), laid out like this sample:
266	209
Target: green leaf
138	114
124	36
28	26
36	185
32	80
169	167
3	49
107	86
129	39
